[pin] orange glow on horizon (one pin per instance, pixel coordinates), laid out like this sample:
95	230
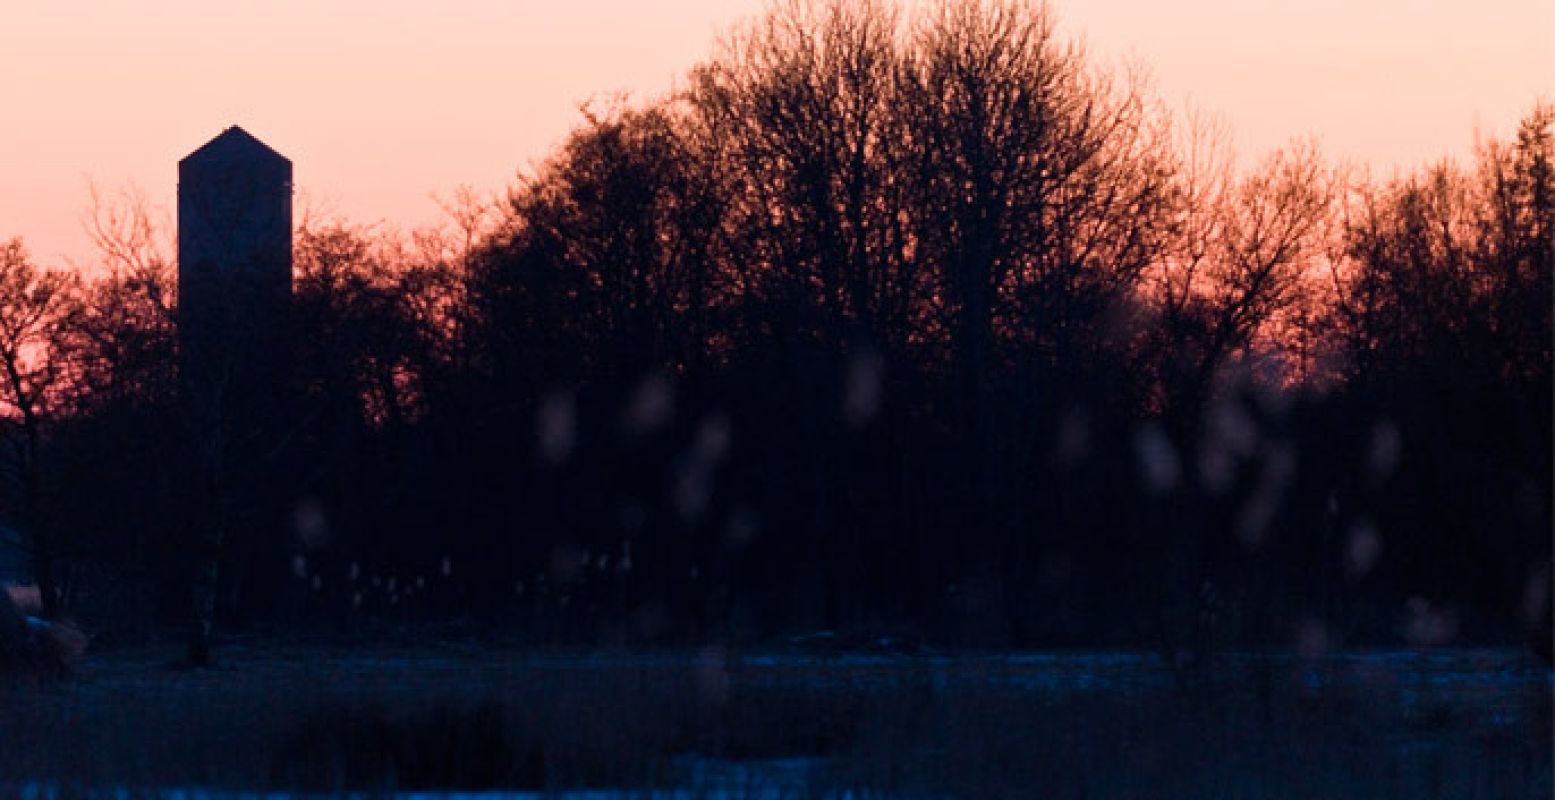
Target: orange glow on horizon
382	104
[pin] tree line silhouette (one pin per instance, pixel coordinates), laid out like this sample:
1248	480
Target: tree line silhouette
879	322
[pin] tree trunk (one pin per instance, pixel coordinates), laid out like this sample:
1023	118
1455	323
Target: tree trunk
210	538
205	580
44	563
45	574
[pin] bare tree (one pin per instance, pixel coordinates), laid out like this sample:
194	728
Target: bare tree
805	100
1244	250
122	345
37	308
1038	190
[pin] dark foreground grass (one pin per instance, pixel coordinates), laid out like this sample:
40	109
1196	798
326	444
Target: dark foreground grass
325	720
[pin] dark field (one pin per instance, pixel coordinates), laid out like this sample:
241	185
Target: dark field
317	718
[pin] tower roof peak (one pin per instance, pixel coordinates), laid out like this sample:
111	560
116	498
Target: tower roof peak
234	144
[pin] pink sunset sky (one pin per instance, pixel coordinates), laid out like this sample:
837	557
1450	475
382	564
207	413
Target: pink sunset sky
381	104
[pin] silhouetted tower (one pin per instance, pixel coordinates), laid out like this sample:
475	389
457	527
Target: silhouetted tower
234	297
234	256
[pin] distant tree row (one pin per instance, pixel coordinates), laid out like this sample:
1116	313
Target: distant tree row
880	322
